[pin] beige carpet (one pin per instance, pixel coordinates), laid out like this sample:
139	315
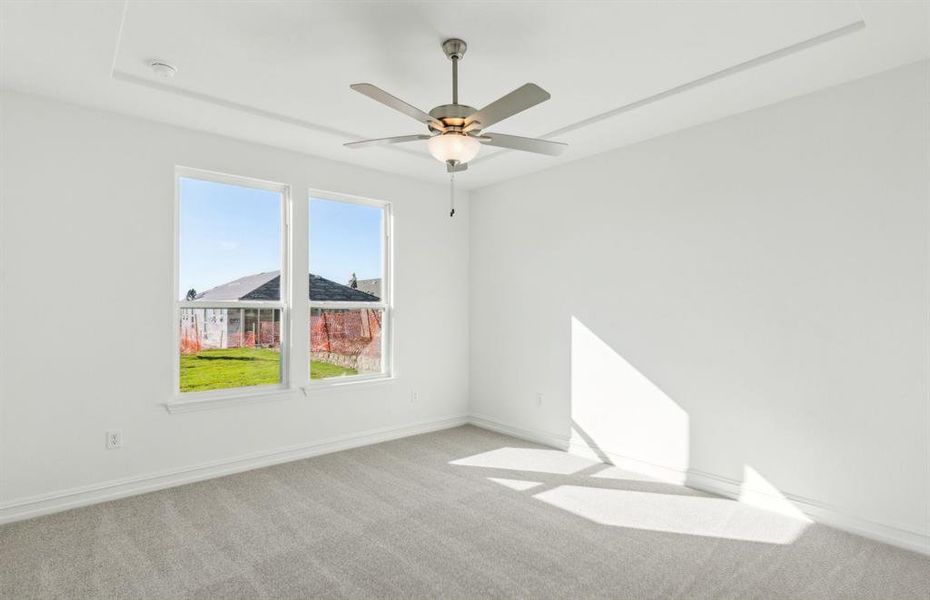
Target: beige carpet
462	513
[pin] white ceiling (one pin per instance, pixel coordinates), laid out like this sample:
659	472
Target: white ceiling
279	72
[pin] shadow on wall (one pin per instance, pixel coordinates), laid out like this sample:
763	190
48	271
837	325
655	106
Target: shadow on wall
620	417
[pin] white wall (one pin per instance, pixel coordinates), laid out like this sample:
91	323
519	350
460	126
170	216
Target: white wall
750	295
86	243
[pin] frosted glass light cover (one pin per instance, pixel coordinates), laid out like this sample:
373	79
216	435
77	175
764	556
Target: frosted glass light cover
453	146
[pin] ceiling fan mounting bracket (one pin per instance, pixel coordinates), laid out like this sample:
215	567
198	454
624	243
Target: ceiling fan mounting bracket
454	48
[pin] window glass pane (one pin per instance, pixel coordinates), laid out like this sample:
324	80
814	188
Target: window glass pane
229	251
229	347
345	342
229	242
345	251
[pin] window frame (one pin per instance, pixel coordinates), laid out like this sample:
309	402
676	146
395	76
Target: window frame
386	303
282	304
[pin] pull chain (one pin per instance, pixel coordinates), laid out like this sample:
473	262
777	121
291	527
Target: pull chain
452	194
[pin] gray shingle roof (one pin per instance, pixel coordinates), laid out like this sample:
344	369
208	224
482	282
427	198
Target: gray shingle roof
239	288
267	286
322	289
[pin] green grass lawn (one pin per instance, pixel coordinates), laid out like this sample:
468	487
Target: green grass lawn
320	370
241	367
232	367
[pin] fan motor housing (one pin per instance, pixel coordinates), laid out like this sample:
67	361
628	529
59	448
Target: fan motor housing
452	115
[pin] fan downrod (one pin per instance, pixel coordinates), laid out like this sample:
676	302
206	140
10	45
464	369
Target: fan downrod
453	115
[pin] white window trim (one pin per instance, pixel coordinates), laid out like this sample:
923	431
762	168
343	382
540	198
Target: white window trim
387	298
211	398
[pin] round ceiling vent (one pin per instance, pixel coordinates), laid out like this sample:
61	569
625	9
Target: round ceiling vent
163	69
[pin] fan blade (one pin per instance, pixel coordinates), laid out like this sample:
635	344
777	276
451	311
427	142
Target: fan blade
515	142
457	168
379	95
388	140
526	96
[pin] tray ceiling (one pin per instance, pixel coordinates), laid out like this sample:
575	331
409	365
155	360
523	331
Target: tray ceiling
279	72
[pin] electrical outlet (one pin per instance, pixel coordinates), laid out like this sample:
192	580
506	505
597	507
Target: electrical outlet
114	439
414	396
539	398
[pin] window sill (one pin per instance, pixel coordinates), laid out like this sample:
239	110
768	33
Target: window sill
346	383
196	401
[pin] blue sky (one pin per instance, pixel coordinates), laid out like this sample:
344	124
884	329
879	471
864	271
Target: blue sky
229	231
344	239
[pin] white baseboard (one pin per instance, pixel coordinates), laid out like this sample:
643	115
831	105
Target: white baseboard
820	512
658	472
111	490
817	511
35	506
540	437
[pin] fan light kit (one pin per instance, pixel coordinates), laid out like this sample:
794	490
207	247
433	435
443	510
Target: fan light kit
456	130
453	148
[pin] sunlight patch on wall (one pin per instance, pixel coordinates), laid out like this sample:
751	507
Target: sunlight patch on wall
687	515
618	412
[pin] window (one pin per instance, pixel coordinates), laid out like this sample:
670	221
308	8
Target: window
231	301
349	287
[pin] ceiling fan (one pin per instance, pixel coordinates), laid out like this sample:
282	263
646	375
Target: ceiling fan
456	131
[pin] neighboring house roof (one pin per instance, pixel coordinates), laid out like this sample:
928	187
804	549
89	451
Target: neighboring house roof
322	289
370	286
267	286
239	288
